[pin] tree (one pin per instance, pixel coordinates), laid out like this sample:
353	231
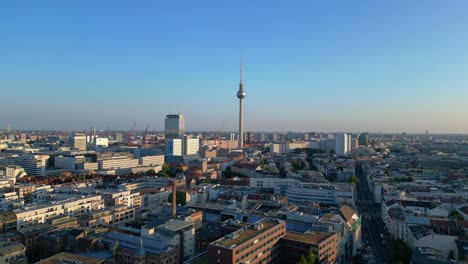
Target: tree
161	174
295	165
308	258
228	173
302	260
456	215
297	150
402	179
165	170
353	179
180	198
179	169
151	172
165	167
311	258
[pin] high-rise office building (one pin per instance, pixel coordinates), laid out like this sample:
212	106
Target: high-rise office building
250	137
343	144
174	126
274	137
363	139
79	142
350	139
262	137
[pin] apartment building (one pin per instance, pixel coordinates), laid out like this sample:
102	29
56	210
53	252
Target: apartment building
323	245
152	160
255	242
38	213
122	197
12	253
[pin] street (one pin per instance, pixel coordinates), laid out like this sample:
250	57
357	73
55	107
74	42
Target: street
375	248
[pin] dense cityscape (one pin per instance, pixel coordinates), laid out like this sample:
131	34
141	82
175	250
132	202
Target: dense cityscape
233	132
214	197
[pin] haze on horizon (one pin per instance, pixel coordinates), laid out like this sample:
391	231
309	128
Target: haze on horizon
378	66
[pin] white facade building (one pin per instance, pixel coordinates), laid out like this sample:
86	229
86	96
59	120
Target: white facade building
101	142
152	160
121	197
118	163
79	142
343	144
13	171
191	145
174	147
33	164
38	213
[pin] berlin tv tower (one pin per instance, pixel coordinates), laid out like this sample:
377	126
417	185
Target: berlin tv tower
241	95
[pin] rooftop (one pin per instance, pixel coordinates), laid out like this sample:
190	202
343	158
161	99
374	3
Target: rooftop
152	246
65	257
419	231
8	248
240	236
176	225
310	238
38	228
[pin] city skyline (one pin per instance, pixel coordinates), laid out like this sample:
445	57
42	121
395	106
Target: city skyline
362	66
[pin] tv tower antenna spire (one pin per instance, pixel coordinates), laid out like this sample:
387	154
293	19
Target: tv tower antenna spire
241	95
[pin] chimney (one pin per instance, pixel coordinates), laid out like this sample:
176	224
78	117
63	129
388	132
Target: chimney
174	202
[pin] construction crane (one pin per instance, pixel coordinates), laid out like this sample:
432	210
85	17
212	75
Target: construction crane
153	136
130	137
219	134
145	134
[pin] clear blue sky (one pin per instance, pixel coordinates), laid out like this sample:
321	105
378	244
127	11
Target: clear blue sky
386	66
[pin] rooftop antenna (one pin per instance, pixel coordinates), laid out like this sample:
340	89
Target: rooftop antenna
241	65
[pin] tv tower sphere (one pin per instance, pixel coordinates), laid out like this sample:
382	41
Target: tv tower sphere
241	94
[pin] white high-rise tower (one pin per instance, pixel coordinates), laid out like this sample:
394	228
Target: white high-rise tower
241	95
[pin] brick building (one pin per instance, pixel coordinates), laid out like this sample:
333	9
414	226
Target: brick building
323	245
256	241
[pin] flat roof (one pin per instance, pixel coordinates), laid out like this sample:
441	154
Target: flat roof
240	236
8	248
175	225
65	257
310	238
201	259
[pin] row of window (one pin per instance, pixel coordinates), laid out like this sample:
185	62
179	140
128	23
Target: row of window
262	246
259	239
329	241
